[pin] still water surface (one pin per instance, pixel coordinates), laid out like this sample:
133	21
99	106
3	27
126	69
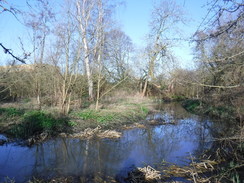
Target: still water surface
137	147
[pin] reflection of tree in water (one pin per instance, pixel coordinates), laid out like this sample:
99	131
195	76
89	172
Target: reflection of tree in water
175	110
137	147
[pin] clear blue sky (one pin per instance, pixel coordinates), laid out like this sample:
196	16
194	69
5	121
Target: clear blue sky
133	17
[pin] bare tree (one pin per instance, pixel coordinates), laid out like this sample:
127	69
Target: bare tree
84	13
6	7
165	16
66	57
118	48
39	19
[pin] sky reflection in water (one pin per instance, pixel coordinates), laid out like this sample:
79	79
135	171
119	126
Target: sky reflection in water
137	147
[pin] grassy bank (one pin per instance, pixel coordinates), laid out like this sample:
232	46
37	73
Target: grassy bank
25	123
20	123
111	115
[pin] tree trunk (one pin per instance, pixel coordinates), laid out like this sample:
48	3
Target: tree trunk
145	88
83	16
88	71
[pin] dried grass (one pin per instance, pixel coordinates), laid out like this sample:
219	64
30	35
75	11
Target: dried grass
37	139
192	172
96	132
144	175
136	125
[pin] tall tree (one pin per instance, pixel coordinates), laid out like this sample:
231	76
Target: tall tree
39	19
84	13
219	51
165	16
118	50
94	18
65	56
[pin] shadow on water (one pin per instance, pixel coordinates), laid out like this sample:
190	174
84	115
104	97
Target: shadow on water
109	157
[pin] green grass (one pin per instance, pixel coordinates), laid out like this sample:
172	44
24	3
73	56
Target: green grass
11	112
33	122
127	111
98	116
36	122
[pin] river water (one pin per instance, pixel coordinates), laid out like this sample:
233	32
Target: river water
190	136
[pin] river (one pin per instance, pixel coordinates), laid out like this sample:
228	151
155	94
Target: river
137	147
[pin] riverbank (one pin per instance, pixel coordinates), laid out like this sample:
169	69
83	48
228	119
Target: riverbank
95	160
229	148
218	112
38	125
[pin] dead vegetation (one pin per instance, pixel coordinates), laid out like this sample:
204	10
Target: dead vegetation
135	125
194	172
144	175
96	132
37	139
158	122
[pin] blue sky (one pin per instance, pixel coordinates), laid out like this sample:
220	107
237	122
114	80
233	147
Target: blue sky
133	17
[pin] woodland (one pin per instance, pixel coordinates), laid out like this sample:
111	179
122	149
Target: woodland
78	58
78	55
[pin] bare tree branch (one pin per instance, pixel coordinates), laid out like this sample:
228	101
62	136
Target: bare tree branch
9	51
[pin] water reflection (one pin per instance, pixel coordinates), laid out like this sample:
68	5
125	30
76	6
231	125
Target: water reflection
137	147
